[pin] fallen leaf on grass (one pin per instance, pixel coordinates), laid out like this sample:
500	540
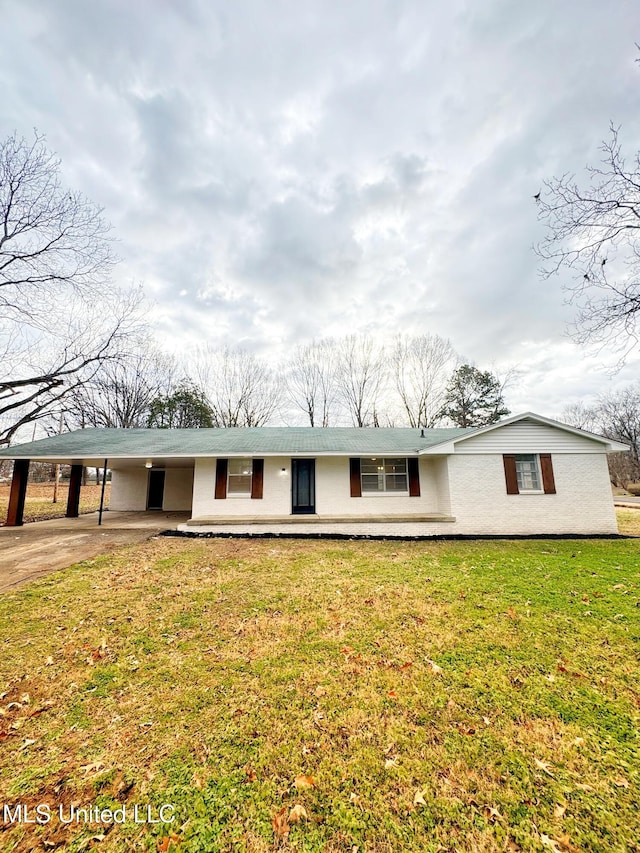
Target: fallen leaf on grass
492	814
390	762
252	776
550	843
621	782
392	694
559	810
544	766
298	813
280	824
418	799
303	782
433	666
163	844
95	766
511	613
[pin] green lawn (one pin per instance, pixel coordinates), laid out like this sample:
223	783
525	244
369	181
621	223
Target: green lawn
329	696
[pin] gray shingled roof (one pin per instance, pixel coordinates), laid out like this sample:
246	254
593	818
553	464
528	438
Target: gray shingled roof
114	443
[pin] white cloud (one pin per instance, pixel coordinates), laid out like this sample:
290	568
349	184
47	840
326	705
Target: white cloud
277	172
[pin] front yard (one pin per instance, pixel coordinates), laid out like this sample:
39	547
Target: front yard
322	696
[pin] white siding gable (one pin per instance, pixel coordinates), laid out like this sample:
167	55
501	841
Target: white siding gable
528	437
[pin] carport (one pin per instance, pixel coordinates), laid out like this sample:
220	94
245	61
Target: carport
140	462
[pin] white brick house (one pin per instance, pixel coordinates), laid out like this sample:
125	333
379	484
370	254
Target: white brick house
524	475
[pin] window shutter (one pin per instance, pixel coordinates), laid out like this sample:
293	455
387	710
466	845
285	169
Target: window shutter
354	476
414	477
257	478
510	474
548	481
221	478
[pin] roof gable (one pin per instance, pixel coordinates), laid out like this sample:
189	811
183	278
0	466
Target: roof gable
449	446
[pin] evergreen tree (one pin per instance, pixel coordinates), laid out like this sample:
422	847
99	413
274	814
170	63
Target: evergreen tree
474	398
185	408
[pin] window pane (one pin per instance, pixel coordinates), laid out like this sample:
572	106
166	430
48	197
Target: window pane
395	466
372	483
239	485
371	466
396	482
528	473
241	466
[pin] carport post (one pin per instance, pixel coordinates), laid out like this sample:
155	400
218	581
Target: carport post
18	493
73	498
104	483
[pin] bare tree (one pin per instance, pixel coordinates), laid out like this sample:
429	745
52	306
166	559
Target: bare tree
616	415
310	378
241	390
121	391
58	320
619	415
422	366
581	416
40	369
592	233
361	376
50	237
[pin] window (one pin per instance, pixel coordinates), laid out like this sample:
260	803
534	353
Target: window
239	477
384	475
240	474
528	472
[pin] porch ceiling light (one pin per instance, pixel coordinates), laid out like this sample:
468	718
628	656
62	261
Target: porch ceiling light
148	464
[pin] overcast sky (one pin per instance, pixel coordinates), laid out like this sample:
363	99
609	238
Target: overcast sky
279	171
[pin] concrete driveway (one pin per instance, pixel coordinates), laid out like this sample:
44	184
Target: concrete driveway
41	547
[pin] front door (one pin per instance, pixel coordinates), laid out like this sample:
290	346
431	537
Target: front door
303	486
156	490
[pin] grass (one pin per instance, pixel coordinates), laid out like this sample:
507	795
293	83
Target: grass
39	504
628	521
477	696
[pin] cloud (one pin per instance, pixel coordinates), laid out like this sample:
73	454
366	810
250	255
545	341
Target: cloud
282	171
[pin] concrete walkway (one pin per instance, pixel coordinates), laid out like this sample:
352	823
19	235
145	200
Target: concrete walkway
41	547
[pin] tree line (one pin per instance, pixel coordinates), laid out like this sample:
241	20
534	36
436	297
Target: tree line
416	381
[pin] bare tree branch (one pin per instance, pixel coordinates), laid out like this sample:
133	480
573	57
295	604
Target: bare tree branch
593	233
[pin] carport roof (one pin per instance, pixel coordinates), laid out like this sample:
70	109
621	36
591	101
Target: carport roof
235	441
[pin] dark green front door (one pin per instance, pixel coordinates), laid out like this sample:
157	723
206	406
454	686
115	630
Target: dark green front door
303	486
